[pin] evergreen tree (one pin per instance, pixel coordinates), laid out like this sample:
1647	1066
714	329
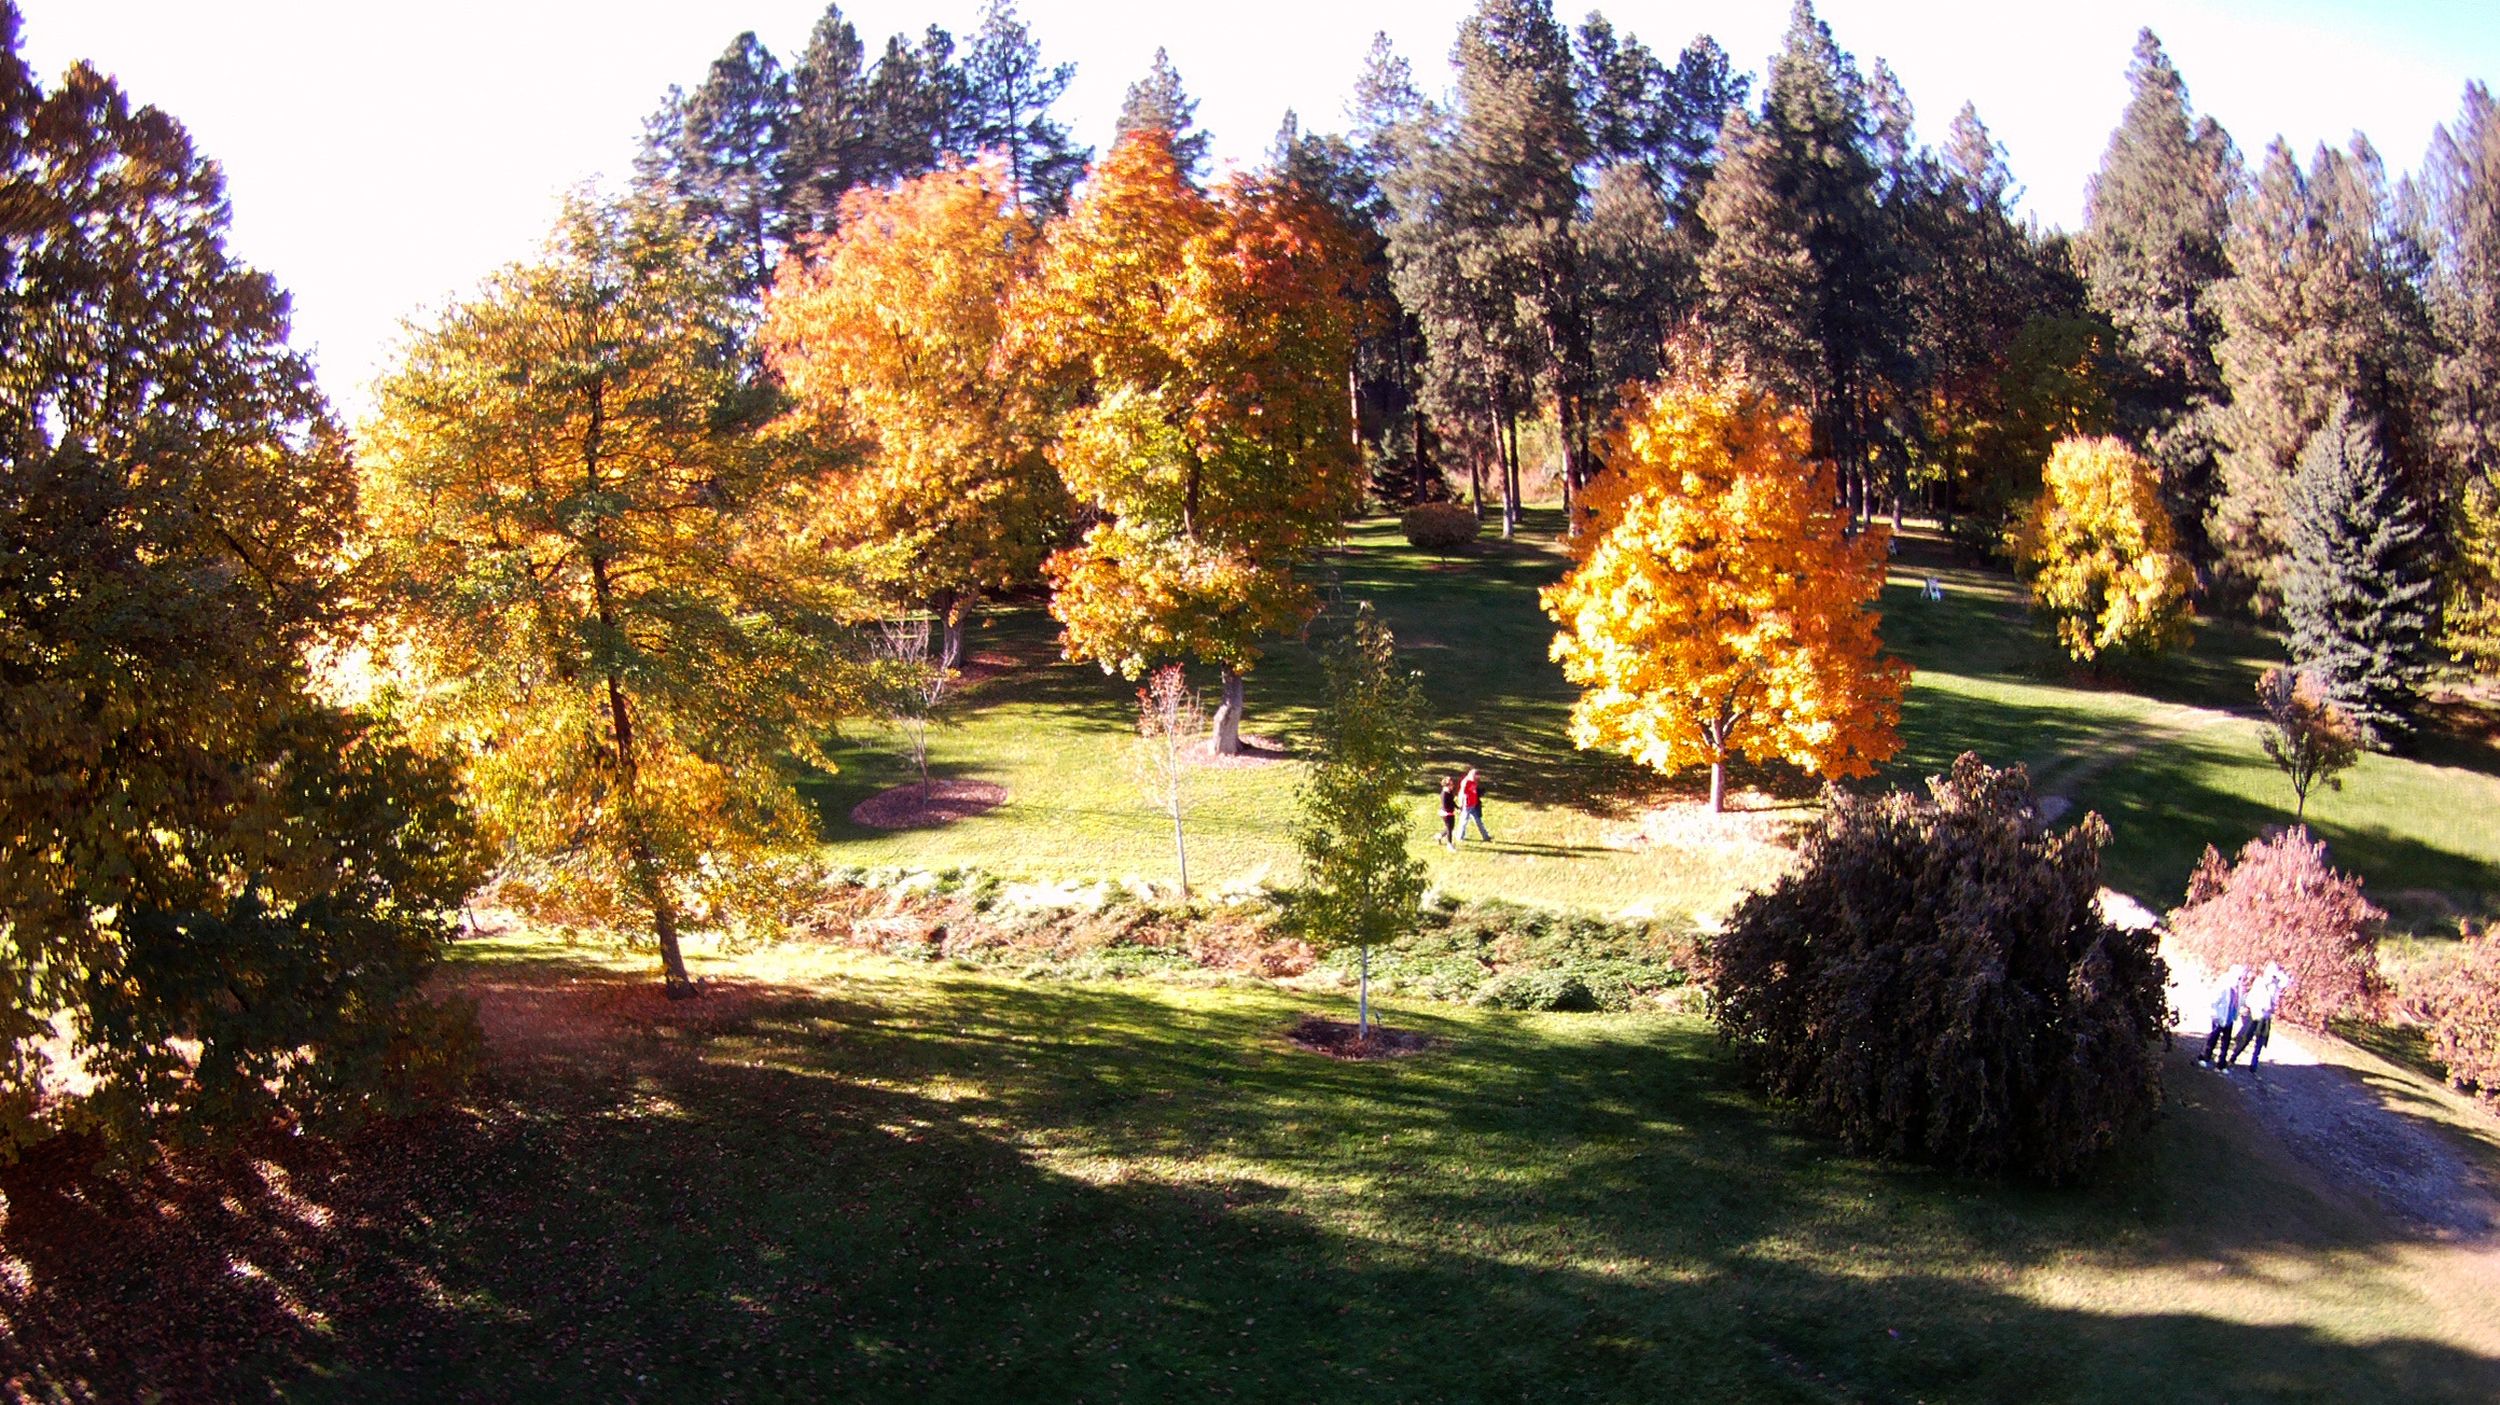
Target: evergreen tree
1698	95
832	139
1158	101
1006	96
2461	206
1360	885
1801	278
2323	306
2155	219
2358	590
1635	275
734	134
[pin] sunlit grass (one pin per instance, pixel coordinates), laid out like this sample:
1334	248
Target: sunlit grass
2163	750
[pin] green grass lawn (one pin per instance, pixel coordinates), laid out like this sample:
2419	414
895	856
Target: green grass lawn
839	1177
2164	751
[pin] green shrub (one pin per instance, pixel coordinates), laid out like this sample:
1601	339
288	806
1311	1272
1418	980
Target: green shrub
1934	981
1440	527
1535	990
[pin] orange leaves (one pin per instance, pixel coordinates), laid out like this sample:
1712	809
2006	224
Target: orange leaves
896	334
1203	345
1719	607
2102	557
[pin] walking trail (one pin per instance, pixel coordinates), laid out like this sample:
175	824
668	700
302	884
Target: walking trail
2333	1110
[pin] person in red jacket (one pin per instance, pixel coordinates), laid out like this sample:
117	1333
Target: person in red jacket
1471	800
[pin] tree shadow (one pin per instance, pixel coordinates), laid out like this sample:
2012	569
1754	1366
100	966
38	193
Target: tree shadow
927	1189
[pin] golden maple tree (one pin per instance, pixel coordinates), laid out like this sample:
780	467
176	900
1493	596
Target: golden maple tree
2099	550
600	573
893	335
1719	606
1200	348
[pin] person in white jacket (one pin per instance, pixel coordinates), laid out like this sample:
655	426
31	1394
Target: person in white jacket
2226	1013
2257	1014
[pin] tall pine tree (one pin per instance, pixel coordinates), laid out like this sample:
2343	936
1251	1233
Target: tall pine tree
1159	101
2460	196
2358	590
2323	306
734	132
1801	279
2156	216
1006	96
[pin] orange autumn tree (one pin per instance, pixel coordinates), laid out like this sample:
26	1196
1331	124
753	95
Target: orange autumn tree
1719	607
892	334
1201	348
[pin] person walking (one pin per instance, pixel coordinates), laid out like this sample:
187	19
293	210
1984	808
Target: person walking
2226	1013
2257	1014
1471	796
1449	812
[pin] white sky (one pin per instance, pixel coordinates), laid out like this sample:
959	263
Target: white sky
384	157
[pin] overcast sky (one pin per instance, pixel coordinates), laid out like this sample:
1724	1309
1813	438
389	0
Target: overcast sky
384	157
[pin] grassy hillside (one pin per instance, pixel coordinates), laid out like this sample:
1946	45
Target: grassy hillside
2165	752
837	1177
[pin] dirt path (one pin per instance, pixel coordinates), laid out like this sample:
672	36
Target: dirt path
2347	1122
2060	780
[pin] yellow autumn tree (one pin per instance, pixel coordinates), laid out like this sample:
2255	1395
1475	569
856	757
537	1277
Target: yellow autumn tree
2099	551
892	335
1200	348
600	574
1719	606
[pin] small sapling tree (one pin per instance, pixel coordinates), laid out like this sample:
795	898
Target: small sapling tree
2307	734
1169	723
1359	884
912	688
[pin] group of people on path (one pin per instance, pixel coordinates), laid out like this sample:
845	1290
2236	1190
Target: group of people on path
2243	1015
1462	795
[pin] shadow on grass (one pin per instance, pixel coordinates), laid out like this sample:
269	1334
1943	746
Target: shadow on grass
782	1192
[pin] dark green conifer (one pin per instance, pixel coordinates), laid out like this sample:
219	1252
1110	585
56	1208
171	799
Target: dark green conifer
2358	591
1158	102
1005	96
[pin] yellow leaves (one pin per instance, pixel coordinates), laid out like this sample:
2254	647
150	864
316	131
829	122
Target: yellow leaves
1718	605
2101	555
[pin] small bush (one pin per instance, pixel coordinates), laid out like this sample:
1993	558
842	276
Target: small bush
2463	1005
1535	990
1440	527
2281	902
1934	981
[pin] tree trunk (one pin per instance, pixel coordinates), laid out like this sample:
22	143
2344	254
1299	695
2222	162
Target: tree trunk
1510	477
1424	472
1180	846
948	607
1228	717
1718	787
1900	490
1363	999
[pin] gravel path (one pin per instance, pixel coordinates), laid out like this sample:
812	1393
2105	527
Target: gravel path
2343	1123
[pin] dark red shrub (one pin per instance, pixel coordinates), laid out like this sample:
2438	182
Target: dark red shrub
2463	1003
1934	981
2281	902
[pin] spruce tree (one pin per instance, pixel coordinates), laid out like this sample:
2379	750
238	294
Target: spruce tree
2323	307
2358	591
1158	101
2155	219
1006	96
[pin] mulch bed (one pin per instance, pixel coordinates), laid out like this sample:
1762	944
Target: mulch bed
1338	1039
904	807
